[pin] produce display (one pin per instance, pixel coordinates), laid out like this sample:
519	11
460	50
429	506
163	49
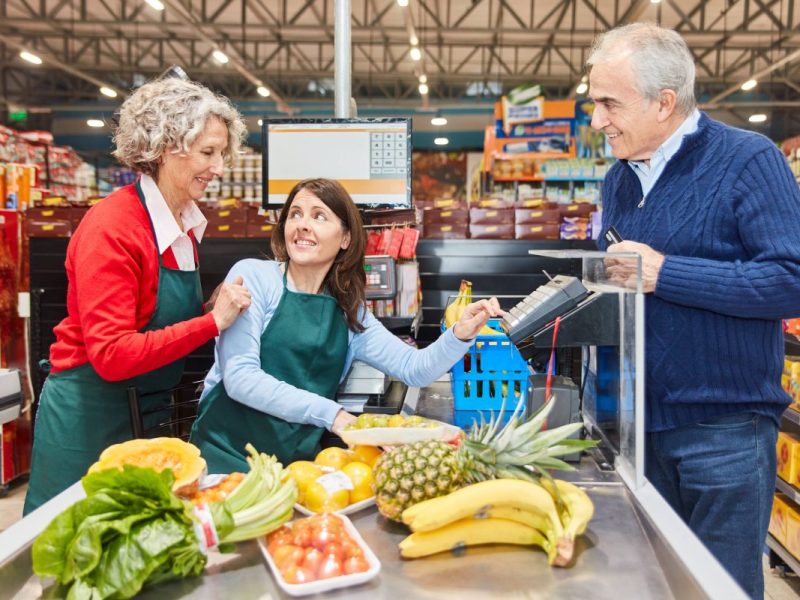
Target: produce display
409	474
182	458
336	480
132	530
314	548
384	430
548	514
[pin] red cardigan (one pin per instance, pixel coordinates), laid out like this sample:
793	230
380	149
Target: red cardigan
112	269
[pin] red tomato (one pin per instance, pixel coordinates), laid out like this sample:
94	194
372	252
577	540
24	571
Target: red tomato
295	574
330	567
355	564
334	549
351	548
322	537
287	556
330	521
312	559
302	537
277	538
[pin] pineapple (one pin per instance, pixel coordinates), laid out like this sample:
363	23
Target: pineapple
409	474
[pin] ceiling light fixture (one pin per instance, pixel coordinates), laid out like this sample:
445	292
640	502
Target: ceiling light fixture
107	91
655	1
95	123
582	88
260	122
749	85
220	56
402	3
30	57
441	141
438	121
156	4
757	118
262	91
423	78
423	88
415	53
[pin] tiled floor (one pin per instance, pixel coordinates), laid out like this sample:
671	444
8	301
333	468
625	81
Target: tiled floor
777	587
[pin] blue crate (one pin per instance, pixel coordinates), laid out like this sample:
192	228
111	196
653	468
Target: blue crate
491	370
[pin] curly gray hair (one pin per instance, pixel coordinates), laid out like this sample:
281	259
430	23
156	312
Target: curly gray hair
168	115
659	57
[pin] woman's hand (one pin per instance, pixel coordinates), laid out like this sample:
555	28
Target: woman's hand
342	420
474	318
232	299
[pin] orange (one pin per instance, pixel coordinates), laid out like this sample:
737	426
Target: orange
360	475
334	457
304	473
320	499
366	454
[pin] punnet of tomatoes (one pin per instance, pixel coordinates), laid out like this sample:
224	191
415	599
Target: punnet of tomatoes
316	548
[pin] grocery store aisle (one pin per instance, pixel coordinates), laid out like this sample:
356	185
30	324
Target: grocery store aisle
776	586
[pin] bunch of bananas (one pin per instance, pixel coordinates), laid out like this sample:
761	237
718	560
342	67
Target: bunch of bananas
456	308
548	514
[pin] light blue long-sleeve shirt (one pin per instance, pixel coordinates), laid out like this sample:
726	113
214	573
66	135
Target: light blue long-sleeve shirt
237	355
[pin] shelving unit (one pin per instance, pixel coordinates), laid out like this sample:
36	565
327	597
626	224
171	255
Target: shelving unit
782	553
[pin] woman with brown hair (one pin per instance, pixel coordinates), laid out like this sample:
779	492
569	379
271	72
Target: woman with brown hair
277	368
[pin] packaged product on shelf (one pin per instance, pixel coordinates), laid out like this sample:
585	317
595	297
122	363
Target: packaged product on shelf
792	542
442	231
545	231
779	517
503	231
445	215
407	289
523	216
574	228
788	457
491	216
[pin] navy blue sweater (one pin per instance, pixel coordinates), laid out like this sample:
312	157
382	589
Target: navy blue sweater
726	214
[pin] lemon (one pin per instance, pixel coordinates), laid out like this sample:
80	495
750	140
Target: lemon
304	473
334	457
366	454
360	475
397	421
319	499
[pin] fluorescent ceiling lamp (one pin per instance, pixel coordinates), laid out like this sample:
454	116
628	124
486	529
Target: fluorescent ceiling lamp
220	56
655	1
757	118
260	122
438	121
582	88
157	4
402	3
262	91
30	57
423	78
415	53
441	141
423	88
413	40
749	85
107	91
95	123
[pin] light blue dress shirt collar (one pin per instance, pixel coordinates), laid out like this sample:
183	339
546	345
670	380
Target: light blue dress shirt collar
649	174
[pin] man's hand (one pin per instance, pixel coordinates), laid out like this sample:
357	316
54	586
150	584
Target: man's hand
623	270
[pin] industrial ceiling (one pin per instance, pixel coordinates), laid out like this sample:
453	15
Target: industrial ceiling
471	50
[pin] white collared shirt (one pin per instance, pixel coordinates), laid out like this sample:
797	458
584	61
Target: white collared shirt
168	234
649	174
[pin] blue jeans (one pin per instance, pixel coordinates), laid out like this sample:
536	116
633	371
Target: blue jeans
719	476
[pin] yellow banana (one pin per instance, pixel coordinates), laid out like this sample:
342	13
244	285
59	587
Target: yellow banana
532	519
576	516
455	309
477	499
470	532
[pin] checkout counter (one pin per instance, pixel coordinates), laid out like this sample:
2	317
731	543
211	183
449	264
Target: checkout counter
634	547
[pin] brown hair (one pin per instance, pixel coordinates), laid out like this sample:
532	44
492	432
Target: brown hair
346	279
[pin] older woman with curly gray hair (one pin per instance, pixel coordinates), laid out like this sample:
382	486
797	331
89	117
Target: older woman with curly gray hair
134	304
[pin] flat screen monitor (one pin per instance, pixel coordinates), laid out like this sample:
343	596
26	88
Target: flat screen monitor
370	157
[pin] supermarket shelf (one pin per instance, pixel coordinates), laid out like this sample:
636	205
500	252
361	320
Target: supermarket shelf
576	178
787	488
783	553
792	416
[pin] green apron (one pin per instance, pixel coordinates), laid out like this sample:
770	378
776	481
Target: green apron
80	414
304	345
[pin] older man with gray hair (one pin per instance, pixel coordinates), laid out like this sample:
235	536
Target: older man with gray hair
714	213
